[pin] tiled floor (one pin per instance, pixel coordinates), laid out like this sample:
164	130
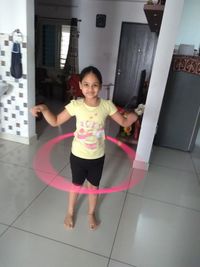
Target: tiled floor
154	224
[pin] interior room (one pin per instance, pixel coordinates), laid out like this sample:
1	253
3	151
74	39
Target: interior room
148	205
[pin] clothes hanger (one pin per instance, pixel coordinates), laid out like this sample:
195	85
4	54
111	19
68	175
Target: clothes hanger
17	36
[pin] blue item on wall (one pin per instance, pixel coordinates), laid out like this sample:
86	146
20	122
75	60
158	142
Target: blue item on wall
16	64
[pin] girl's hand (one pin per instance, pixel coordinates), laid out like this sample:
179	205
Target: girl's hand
125	120
130	117
38	109
52	119
140	109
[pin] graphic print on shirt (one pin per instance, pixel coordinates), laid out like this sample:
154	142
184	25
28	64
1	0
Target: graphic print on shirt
91	133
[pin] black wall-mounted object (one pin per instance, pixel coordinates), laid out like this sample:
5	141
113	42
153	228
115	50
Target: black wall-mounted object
100	20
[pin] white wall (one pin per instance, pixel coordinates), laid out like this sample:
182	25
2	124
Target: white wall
99	46
30	64
162	61
16	122
65	9
190	24
13	15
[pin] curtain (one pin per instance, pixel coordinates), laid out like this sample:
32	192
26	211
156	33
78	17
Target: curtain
71	63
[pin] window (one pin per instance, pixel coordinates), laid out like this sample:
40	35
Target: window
52	43
64	45
49	45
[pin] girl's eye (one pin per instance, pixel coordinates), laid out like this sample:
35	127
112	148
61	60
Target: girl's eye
87	85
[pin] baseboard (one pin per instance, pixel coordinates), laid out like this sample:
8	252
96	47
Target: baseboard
141	165
18	139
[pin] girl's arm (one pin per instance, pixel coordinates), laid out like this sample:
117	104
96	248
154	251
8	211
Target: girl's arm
53	120
124	121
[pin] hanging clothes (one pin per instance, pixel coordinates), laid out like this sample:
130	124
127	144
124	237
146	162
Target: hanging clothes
16	61
71	63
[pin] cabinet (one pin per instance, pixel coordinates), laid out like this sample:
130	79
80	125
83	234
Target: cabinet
179	118
154	14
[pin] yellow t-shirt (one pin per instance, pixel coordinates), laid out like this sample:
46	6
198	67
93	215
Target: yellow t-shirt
89	137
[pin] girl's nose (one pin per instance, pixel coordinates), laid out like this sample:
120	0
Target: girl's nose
91	87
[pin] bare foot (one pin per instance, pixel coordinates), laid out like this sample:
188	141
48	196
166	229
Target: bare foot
69	221
93	224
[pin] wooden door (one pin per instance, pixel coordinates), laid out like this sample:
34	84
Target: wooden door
136	53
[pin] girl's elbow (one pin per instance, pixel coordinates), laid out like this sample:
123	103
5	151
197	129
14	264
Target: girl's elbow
128	123
54	124
125	123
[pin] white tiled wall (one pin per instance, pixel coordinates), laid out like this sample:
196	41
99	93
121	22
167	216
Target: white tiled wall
13	104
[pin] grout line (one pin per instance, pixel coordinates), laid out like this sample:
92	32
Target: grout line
57	241
11	225
7	227
4	224
117	227
10	151
119	220
173	168
128	264
195	170
32	169
164	202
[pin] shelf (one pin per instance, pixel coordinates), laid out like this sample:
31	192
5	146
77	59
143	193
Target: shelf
154	15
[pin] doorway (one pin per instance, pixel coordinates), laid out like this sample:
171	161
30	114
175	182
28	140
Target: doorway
51	46
135	58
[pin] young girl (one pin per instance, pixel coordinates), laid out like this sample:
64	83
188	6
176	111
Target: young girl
87	153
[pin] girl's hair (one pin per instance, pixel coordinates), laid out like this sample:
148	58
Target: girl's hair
91	69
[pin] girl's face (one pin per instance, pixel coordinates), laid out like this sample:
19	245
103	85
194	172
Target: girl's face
90	86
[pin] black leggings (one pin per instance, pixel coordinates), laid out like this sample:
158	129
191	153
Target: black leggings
86	169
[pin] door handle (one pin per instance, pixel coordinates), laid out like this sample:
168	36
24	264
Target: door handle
118	72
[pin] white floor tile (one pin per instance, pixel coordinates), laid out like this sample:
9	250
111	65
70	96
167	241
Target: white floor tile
46	215
155	229
2	228
21	249
113	150
172	158
155	234
196	162
170	185
112	128
196	156
47	132
18	187
7	146
116	170
25	154
118	264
